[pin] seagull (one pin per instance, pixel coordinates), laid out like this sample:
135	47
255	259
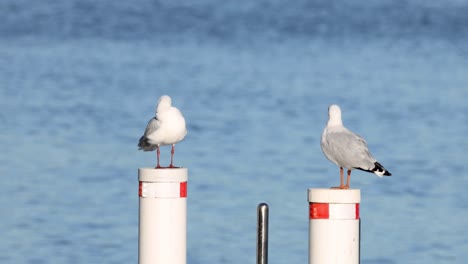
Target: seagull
347	149
167	127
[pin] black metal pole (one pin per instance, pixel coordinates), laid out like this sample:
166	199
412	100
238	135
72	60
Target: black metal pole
262	233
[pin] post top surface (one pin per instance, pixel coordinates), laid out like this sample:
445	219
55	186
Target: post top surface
163	175
334	195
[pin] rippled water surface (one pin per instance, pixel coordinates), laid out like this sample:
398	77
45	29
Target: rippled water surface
79	80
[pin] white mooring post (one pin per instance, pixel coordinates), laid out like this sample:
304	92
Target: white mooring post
163	216
334	227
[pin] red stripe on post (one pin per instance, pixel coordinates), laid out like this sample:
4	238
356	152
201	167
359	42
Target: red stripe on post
183	189
318	211
140	189
357	211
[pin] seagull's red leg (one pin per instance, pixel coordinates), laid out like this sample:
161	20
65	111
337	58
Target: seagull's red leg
341	181
157	155
347	180
172	156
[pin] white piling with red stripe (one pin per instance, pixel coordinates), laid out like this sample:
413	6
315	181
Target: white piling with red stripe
334	227
163	216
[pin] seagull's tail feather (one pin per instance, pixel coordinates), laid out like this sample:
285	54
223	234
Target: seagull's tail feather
145	145
378	169
143	142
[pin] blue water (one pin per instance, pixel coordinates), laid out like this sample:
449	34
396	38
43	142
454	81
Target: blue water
80	79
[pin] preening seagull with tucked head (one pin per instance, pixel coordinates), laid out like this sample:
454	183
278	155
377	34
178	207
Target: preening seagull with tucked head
167	127
347	149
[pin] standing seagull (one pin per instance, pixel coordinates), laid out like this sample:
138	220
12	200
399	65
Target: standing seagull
346	149
166	128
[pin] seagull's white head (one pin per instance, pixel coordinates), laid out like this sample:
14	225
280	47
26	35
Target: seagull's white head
164	103
334	115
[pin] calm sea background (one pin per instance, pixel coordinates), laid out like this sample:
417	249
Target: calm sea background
79	80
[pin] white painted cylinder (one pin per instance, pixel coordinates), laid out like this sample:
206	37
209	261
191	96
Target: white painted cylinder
334	229
163	216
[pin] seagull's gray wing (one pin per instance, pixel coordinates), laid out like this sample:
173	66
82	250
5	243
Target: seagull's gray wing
375	167
153	125
348	150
